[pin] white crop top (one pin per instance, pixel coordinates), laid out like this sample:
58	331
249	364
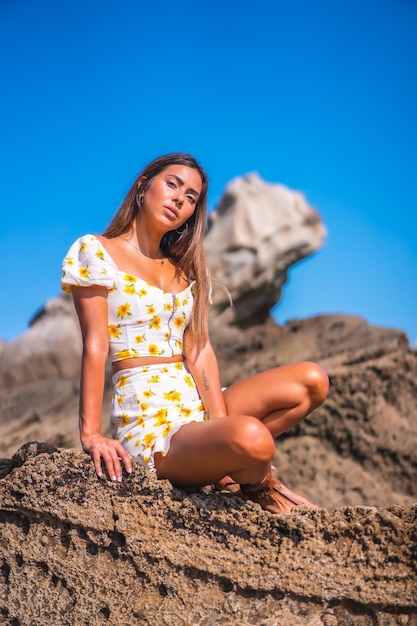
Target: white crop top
143	320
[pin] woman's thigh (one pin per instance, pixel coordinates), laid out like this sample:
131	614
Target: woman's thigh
204	452
274	390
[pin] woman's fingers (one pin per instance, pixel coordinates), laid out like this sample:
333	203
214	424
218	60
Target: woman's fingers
111	452
126	458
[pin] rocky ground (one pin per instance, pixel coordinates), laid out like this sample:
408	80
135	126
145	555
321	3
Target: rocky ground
79	551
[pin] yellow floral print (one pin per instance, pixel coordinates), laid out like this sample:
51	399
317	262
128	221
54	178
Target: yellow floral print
123	310
161	416
125	420
162	420
178	322
173	396
138	311
114	331
155	322
149	440
188	379
130	290
167	429
122	380
125	354
148	427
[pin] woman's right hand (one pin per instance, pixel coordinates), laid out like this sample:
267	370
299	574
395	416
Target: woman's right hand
112	453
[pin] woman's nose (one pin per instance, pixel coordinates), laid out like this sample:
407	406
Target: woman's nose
178	197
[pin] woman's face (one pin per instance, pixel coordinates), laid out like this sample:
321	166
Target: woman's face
172	197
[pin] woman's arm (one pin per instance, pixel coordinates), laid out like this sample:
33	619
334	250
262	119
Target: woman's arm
205	371
91	306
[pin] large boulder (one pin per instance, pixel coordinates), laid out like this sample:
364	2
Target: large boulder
257	232
50	348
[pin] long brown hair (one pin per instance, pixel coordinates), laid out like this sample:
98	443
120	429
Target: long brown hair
184	247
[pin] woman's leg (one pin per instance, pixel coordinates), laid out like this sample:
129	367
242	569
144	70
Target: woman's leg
202	453
280	397
241	446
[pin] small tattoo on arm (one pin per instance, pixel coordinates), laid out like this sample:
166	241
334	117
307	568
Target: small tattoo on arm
205	381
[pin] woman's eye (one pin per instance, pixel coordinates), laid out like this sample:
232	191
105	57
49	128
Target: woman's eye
191	199
171	183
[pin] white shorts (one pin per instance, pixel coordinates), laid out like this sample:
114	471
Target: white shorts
149	405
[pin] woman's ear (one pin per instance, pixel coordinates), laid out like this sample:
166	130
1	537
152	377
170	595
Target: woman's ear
141	181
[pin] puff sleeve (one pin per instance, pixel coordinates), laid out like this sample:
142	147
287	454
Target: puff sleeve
87	263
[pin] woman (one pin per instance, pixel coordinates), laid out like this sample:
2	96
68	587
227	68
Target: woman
141	292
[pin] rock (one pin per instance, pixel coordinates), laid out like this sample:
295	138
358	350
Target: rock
39	379
50	348
256	234
79	551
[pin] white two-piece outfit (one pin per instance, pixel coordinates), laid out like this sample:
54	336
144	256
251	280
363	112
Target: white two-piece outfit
150	403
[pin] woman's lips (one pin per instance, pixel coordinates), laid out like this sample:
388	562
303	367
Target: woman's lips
172	210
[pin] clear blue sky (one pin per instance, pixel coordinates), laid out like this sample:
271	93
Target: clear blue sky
318	95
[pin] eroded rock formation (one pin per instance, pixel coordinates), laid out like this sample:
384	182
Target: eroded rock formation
79	551
256	234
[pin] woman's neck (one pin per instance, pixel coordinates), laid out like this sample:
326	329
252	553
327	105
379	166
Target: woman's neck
146	243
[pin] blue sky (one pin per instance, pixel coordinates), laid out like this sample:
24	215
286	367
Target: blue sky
320	96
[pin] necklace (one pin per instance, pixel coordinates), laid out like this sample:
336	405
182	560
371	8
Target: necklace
159	261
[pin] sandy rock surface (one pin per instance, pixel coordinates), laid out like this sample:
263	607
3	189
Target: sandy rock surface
76	550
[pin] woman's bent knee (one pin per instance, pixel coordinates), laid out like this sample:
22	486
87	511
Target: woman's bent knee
253	439
316	381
